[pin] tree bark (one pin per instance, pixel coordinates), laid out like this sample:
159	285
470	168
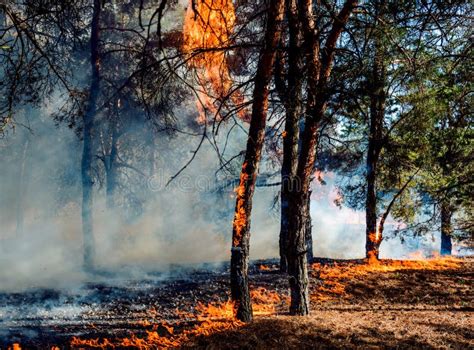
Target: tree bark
372	235
87	152
292	104
241	224
308	229
377	114
298	198
446	229
319	70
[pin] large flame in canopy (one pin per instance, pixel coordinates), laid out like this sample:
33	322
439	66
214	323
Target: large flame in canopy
206	33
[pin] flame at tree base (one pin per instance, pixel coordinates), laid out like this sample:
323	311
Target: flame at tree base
187	328
212	318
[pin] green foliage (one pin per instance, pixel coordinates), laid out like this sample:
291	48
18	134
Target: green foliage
428	123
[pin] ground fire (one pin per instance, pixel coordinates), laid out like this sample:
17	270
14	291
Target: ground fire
337	286
233	174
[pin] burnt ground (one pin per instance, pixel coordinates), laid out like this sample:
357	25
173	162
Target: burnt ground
410	307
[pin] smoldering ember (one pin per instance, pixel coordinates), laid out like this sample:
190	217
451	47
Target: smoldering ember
232	174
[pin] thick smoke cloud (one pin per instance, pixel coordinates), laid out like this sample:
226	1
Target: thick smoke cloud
187	222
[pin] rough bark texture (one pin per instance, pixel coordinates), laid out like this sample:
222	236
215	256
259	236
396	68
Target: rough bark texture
377	114
446	229
297	259
319	70
87	152
298	199
292	102
241	225
308	229
298	192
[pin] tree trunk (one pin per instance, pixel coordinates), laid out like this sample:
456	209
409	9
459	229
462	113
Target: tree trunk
87	152
292	104
372	235
446	229
297	248
241	224
377	114
319	70
308	229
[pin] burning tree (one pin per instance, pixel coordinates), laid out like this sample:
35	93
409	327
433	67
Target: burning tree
372	77
207	36
319	62
248	176
319	56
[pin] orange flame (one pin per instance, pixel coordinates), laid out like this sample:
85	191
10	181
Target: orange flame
206	32
223	310
335	276
16	346
212	318
265	302
376	239
240	218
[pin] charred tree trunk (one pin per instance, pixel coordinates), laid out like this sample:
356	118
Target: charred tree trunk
377	114
319	70
292	102
241	225
297	246
446	229
300	183
87	152
297	252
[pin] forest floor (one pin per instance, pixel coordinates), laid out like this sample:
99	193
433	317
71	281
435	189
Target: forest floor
426	304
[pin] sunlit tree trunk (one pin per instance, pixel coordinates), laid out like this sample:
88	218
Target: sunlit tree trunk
300	183
318	73
292	101
372	235
377	114
241	225
446	229
87	152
